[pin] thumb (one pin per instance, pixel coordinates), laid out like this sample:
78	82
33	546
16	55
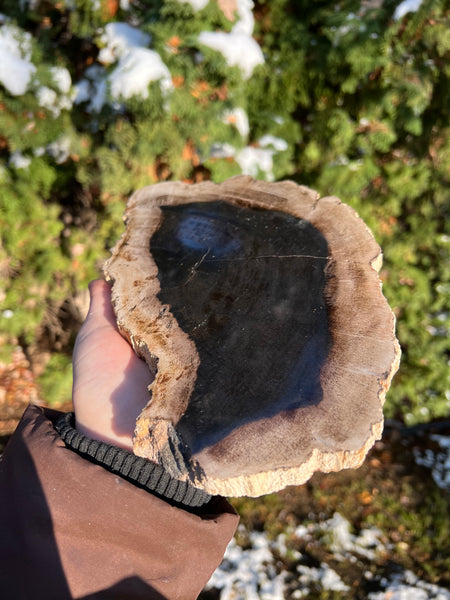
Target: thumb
100	315
101	312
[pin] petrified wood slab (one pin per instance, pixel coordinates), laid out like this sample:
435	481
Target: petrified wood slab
259	309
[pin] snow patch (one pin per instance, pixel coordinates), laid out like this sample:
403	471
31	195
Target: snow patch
252	574
137	66
16	68
406	7
238	117
196	4
253	161
135	71
16	41
19	161
237	47
59	150
61	79
341	541
328	578
248	574
246	21
118	39
256	160
276	143
92	88
54	103
406	586
220	150
438	462
46	97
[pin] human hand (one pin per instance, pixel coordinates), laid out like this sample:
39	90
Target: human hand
109	380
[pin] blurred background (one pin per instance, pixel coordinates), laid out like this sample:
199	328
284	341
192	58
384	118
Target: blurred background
101	97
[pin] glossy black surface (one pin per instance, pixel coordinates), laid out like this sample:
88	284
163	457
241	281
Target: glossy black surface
247	286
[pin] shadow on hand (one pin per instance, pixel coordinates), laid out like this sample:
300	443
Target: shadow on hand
131	588
129	399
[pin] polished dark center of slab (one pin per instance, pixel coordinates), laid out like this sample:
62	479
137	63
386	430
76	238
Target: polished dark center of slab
247	286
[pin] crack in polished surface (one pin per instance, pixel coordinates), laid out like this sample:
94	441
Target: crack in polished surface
260	325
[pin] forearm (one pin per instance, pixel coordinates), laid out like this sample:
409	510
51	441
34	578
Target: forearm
71	527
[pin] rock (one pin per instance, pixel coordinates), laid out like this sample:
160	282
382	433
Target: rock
259	309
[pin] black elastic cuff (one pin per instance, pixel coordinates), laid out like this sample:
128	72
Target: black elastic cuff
136	470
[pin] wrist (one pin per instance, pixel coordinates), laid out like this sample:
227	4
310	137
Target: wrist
134	469
102	434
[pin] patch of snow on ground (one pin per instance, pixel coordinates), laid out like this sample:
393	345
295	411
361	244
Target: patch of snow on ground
341	541
406	586
16	68
439	462
135	71
328	579
406	7
252	574
248	574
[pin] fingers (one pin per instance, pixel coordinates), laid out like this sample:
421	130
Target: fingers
110	382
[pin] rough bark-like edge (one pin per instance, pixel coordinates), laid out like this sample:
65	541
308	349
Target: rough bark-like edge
305	203
173	358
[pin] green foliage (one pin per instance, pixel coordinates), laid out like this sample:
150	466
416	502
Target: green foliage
31	254
56	381
349	101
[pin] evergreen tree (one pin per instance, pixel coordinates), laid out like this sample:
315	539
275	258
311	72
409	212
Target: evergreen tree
99	98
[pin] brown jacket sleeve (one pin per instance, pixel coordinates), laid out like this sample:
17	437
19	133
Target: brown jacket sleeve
70	529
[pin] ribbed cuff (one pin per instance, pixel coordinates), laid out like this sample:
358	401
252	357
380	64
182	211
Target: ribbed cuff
136	470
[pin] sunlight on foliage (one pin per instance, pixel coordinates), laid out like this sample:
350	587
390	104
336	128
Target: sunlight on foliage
349	98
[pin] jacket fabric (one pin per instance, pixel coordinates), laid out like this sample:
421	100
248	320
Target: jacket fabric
72	529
